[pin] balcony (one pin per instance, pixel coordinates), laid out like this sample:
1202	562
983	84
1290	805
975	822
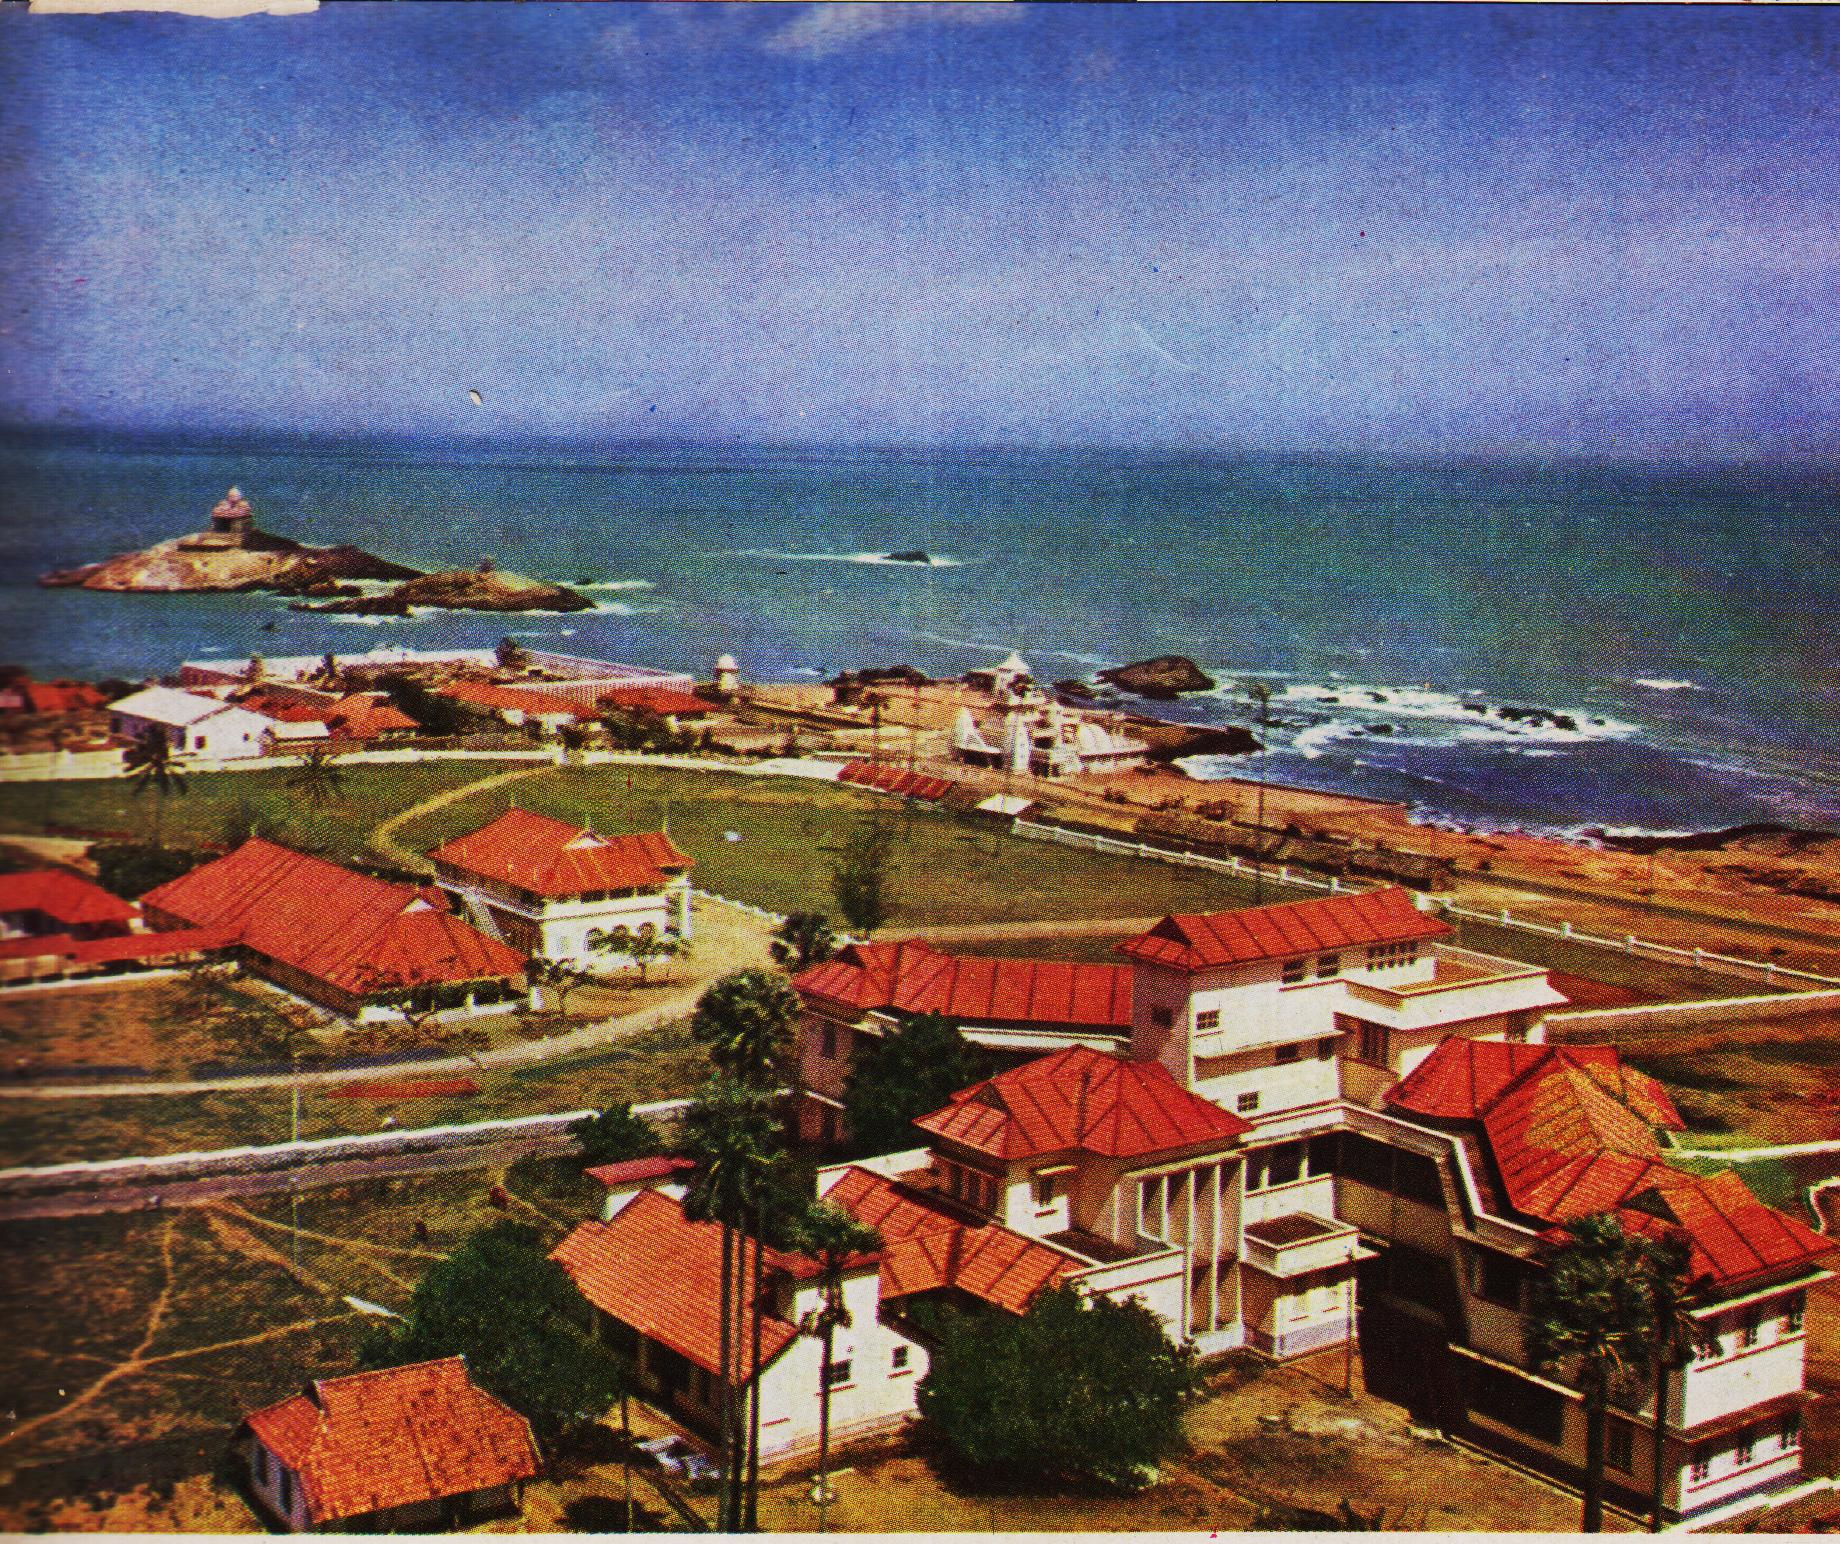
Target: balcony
1463	985
1301	1242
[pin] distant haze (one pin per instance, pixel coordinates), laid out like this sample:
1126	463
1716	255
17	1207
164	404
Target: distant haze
1563	230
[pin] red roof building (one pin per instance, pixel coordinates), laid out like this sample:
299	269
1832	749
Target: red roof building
657	699
403	1448
45	901
552	859
1081	1101
912	977
1210	941
333	935
516	703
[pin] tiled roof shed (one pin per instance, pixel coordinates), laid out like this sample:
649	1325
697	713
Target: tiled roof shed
552	858
1080	1100
913	977
403	1435
1207	941
64	898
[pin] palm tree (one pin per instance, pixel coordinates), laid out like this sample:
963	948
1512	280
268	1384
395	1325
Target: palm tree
1260	694
1595	1306
833	1238
318	778
733	1134
746	1020
151	762
1677	1335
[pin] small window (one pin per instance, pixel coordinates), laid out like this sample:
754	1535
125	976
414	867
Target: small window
1287	1053
1246	1103
828	1048
839	1373
1045	1189
263	1475
1163	1018
1328	965
1284	1163
1207	1021
1702	1467
1374	1043
1294	971
1795	1310
1620	1446
898	1361
1789	1433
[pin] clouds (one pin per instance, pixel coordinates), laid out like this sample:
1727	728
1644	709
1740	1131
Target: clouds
819	31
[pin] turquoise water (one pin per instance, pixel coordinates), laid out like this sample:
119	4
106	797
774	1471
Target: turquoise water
1676	624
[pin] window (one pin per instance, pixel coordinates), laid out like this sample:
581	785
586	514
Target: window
970	1186
1293	971
1287	1053
1371	1042
1045	1189
1246	1103
1498	1279
829	1043
286	1488
1620	1445
1163	1018
1207	1021
839	1373
1789	1433
263	1475
1795	1308
1517	1027
1750	1328
1285	1163
898	1361
1702	1467
1328	965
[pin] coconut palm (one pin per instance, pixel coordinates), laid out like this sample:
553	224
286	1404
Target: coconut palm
318	779
733	1133
746	1020
1595	1307
833	1238
1677	1335
151	764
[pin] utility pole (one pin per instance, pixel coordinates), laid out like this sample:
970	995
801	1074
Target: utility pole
1260	694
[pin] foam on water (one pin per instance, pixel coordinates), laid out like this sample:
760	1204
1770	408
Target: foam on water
871	559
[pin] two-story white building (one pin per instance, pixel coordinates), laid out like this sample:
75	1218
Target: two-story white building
563	892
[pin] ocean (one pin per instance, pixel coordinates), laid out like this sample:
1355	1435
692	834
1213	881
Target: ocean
1496	644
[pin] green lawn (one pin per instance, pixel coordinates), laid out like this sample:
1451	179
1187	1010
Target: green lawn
1653	979
656	1064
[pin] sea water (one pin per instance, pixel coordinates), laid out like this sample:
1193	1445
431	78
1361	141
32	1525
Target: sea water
1501	643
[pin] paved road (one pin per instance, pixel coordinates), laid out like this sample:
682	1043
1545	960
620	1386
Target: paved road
140	1196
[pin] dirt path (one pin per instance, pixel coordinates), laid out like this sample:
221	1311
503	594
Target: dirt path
383	836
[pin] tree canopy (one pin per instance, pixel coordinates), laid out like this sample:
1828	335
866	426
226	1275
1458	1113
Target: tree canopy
804	938
746	1020
131	869
862	879
614	1135
900	1076
503	1304
1075	1388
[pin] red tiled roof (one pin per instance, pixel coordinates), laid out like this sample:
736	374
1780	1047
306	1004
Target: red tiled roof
60	696
391	1438
913	977
488	694
1195	941
361	935
364	717
637	1170
656	699
911	785
553	858
64	898
926	1245
151	946
1080	1100
654	1269
1570	1132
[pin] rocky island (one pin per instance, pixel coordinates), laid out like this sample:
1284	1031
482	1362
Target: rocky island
233	555
1163	677
486	588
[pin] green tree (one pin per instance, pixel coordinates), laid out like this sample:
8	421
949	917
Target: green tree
131	869
863	876
1677	1335
614	1135
1593	1308
561	977
512	1312
835	1240
150	763
643	948
804	938
318	779
746	1020
433	713
511	654
1076	1387
898	1077
733	1133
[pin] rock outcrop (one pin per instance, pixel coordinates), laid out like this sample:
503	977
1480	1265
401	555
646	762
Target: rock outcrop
462	589
1164	677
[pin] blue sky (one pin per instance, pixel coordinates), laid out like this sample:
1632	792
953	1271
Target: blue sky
1437	228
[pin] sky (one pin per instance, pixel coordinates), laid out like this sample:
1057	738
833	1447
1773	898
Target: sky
1450	229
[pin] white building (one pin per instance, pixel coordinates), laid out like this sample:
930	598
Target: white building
194	726
1029	734
562	892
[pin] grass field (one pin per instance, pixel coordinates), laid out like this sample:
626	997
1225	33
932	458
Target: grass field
653	1064
1761	1093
